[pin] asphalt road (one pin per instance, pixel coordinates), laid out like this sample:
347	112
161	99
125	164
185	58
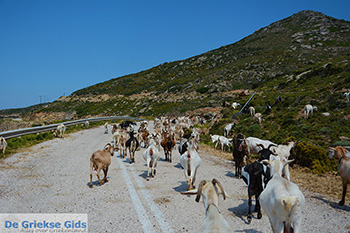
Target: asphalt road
53	177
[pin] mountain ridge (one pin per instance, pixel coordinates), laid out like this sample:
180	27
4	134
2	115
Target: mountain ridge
304	41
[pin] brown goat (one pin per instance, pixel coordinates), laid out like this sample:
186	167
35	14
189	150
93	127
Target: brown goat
100	160
338	153
168	143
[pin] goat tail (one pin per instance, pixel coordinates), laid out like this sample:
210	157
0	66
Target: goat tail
290	204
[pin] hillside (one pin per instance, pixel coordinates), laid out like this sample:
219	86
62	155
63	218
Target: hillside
303	58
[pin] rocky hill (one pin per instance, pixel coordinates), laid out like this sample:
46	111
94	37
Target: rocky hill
280	53
303	58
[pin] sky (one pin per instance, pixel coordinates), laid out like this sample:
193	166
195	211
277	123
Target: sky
51	48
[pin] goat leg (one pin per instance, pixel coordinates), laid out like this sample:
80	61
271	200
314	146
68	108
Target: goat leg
249	209
257	206
344	193
98	176
105	172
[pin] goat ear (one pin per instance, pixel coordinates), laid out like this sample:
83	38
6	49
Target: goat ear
288	162
214	182
332	148
200	187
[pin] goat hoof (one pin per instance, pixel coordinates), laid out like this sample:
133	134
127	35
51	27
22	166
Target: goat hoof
341	202
249	219
259	215
91	186
147	178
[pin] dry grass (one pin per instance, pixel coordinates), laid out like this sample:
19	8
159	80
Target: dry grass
327	184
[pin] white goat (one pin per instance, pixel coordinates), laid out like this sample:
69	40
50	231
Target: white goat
190	161
252	111
253	144
282	200
228	128
60	130
235	105
283	152
100	160
151	156
214	138
106	128
347	95
223	141
258	117
122	144
210	192
3	145
309	110
116	139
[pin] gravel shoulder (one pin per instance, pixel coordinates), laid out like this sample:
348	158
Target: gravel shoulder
53	177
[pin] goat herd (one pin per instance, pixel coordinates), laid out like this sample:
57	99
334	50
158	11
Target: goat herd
268	178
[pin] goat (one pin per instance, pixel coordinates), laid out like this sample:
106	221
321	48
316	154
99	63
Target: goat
3	145
210	192
258	117
347	95
235	105
256	177
60	131
339	153
223	141
283	152
190	161
106	128
114	128
239	151
122	144
214	138
86	124
168	144
144	136
278	100
132	144
309	110
253	144
282	200
228	128
184	144
268	108
151	156
252	111
100	160
116	138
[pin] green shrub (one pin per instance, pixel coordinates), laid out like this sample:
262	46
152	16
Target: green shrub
314	157
202	90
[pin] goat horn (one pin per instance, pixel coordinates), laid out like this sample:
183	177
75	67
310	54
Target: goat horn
108	144
271	145
260	145
199	193
215	181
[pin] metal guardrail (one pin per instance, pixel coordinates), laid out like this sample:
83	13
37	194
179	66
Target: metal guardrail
40	129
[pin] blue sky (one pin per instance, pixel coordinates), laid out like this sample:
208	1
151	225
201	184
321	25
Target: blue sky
50	48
